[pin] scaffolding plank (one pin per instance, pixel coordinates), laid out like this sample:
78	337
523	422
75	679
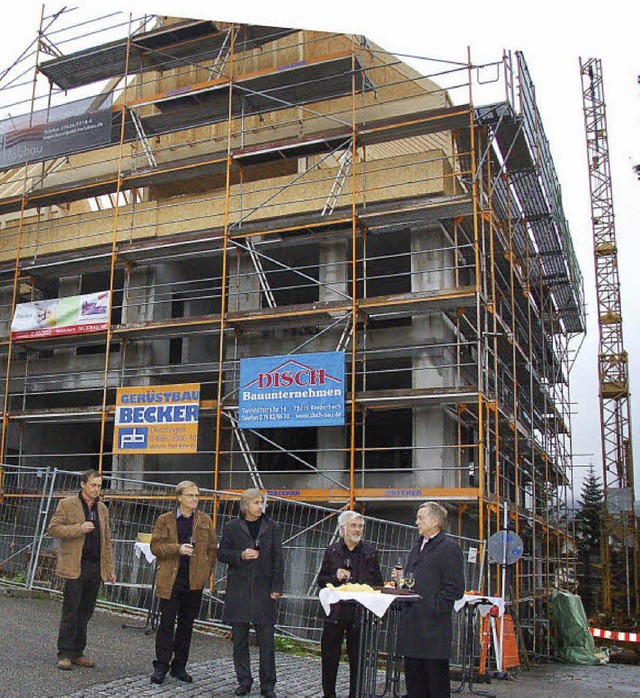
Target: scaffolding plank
416	124
213	163
386	494
416	397
161	49
267	91
532	188
383	218
509	134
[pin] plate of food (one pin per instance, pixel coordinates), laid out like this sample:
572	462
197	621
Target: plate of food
351	587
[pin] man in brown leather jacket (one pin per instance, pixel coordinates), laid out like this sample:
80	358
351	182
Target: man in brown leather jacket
184	543
85	559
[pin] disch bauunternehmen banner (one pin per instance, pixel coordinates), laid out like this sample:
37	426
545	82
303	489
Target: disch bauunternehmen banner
296	390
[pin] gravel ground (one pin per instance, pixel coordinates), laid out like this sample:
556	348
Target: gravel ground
28	633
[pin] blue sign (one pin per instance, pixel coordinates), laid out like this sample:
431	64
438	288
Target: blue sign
133	439
298	390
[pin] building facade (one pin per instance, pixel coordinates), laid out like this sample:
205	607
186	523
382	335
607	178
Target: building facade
237	191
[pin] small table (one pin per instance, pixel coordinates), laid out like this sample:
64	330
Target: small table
144	550
153	613
375	608
472	604
393	663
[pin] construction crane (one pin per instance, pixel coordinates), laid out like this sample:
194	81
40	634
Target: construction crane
620	531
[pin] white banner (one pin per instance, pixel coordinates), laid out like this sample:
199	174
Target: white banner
61	316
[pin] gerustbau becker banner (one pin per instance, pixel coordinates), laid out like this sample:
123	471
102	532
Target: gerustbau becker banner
157	419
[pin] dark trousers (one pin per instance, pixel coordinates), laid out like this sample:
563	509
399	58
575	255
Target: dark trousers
427	678
173	640
78	604
241	658
331	649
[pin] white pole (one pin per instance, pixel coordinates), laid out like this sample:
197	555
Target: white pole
499	654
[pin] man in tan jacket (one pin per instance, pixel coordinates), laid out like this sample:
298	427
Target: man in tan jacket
184	543
85	559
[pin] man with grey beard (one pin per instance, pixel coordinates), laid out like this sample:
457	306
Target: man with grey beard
351	559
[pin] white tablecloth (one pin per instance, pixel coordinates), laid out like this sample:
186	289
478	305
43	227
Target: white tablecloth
377	603
141	549
483	606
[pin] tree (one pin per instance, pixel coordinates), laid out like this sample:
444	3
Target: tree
588	523
588	519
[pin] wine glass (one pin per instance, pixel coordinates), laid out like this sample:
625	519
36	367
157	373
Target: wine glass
398	570
91	516
409	580
347	567
192	542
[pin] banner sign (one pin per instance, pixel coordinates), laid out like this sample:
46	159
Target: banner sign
301	390
60	130
157	419
61	316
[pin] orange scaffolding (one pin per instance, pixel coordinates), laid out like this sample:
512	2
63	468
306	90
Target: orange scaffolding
270	190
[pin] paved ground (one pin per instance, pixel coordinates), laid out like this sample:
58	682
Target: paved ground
28	628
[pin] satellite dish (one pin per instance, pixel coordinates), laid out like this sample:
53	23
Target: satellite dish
505	547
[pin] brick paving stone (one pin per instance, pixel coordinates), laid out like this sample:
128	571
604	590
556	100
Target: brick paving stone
28	633
298	677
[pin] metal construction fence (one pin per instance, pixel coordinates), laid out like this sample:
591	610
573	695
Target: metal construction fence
28	554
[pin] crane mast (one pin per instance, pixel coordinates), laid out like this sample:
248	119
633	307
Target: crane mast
620	535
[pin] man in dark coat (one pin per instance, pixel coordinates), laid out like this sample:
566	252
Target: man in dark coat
425	628
350	559
252	548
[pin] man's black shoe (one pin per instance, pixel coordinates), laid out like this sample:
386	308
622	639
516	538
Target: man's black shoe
157	676
269	693
182	676
242	690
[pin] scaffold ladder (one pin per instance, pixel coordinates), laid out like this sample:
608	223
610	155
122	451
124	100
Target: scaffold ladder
262	277
222	57
345	337
247	455
142	136
344	168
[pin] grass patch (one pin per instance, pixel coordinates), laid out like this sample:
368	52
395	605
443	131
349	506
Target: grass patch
18	578
296	647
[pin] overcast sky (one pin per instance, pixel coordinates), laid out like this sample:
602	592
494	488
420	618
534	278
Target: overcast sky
552	36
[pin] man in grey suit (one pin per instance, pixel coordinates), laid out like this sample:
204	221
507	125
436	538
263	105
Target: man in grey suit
425	628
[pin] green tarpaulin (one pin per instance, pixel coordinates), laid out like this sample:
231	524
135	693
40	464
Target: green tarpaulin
573	644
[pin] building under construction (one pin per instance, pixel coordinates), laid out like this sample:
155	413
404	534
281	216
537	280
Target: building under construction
238	191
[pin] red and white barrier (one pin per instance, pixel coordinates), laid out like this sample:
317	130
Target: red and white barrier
614	635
